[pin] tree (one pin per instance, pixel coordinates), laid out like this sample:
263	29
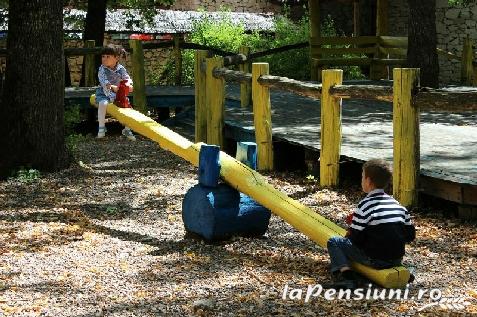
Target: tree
95	23
32	109
422	41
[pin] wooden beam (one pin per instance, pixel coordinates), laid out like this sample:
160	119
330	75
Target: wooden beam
200	95
356	16
298	87
466	66
447	99
177	60
344	40
262	118
138	74
367	92
89	66
215	101
315	32
245	87
330	129
381	17
232	75
406	147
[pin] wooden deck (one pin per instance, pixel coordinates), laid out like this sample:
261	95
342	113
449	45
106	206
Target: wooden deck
448	140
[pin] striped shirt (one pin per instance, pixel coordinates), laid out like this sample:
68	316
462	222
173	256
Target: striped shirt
378	208
381	226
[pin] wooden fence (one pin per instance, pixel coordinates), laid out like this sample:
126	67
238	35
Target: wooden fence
378	52
408	99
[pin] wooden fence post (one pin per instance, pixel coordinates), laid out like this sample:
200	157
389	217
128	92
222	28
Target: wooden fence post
200	95
467	58
330	129
315	33
89	66
139	78
262	118
474	73
215	101
178	60
406	137
245	88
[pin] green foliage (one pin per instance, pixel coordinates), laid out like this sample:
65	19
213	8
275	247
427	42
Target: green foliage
26	175
72	118
455	3
229	36
72	140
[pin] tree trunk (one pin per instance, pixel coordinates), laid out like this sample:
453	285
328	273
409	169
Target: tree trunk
94	29
31	114
422	37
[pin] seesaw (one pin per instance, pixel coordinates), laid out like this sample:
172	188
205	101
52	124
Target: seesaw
251	183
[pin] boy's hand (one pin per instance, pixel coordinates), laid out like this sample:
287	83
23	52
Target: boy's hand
348	233
130	87
114	88
349	219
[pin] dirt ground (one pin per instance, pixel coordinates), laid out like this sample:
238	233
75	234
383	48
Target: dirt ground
105	238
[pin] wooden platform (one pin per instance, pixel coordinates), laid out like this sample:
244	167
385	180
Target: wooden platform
448	140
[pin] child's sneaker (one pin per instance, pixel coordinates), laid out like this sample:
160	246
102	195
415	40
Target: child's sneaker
128	134
101	132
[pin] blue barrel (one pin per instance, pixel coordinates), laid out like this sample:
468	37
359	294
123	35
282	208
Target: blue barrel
221	212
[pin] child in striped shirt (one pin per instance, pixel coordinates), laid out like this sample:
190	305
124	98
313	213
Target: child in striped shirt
110	74
379	229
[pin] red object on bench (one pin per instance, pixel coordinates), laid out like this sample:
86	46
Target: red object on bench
122	100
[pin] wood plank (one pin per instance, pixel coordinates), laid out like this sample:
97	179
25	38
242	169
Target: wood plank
393	51
215	101
392	41
262	118
447	99
467	212
441	188
330	129
342	50
469	195
200	101
245	88
90	78
406	137
139	76
343	61
368	92
298	87
359	40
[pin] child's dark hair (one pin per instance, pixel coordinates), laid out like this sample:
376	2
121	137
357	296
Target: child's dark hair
379	171
112	49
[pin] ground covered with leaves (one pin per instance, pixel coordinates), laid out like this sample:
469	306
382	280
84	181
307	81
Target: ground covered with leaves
105	238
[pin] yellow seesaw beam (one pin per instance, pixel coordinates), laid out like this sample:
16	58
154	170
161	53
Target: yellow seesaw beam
251	183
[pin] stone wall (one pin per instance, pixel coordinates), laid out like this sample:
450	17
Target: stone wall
453	24
154	61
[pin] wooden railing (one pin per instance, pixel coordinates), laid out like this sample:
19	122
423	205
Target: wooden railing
381	51
408	100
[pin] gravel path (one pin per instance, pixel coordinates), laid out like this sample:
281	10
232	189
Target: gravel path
105	238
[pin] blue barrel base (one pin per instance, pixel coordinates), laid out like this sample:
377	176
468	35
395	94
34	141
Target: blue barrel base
222	212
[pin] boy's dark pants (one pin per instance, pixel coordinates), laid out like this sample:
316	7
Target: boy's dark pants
343	252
